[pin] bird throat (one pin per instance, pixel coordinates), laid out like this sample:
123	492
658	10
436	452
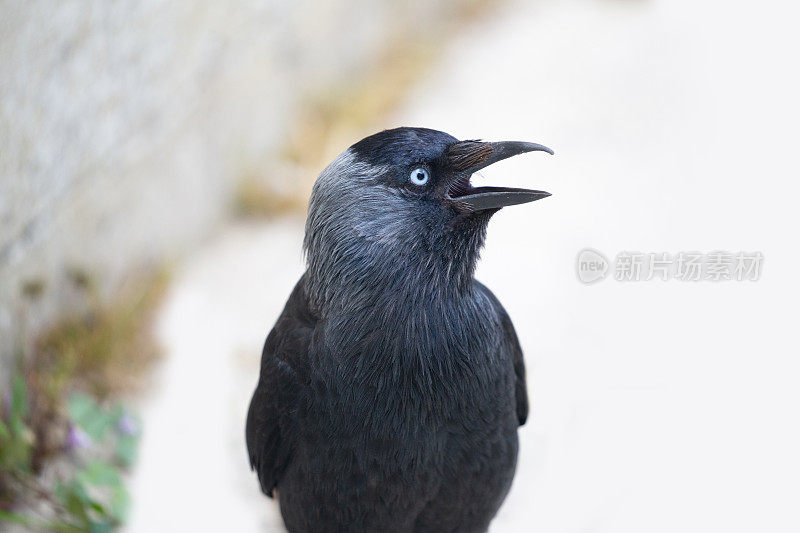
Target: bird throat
359	276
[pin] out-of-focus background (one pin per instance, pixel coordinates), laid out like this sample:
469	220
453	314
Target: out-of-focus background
155	163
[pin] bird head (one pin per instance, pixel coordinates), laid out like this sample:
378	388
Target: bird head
399	204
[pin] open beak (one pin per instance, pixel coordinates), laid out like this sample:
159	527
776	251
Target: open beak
465	158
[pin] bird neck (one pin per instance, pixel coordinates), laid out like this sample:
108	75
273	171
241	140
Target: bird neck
348	277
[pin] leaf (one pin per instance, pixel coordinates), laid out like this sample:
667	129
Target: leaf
75	503
19	399
89	416
99	509
80	407
16	445
127	447
101	527
90	514
18	428
98	473
120	503
14	518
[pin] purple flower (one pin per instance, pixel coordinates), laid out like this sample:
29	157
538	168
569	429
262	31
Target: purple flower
77	438
127	425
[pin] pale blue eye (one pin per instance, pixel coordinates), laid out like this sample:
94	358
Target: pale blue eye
419	176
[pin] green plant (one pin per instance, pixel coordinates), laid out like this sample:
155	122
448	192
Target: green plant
95	496
16	438
101	441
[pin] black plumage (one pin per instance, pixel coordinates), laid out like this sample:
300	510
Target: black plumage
393	383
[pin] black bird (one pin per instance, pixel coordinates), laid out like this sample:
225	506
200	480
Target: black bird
392	384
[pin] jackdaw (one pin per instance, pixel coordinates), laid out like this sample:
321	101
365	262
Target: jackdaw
393	383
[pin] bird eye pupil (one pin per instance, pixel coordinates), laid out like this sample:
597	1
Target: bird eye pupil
419	176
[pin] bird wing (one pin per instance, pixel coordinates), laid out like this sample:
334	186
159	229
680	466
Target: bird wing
271	425
512	344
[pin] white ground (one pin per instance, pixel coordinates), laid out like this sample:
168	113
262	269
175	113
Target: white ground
657	406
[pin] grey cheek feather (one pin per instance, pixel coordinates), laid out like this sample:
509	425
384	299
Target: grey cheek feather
363	237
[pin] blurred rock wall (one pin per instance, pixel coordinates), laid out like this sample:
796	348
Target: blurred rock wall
125	125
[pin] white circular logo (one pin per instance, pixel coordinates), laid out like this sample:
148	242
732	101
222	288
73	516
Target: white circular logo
591	266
